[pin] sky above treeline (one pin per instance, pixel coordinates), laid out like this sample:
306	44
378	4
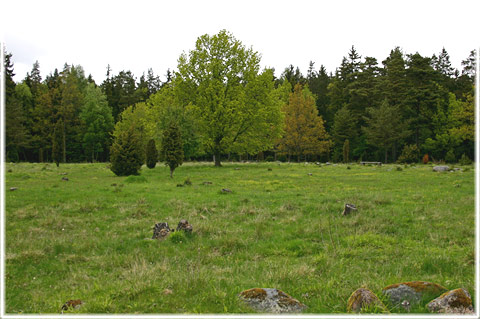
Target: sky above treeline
138	35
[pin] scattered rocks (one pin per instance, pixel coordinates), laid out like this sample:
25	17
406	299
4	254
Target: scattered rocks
441	168
13	189
160	231
348	209
310	174
453	301
413	291
364	299
167	292
65	179
72	304
185	226
271	300
226	190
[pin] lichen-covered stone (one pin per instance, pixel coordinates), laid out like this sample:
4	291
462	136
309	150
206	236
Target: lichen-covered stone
271	300
160	231
413	291
185	226
441	168
453	301
364	300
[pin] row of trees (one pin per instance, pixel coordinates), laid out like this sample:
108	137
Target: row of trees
227	107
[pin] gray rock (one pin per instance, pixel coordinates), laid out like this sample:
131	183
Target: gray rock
453	301
226	190
13	188
271	300
160	231
65	179
442	168
185	226
413	291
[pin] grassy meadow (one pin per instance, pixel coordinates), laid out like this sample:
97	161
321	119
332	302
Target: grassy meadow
88	238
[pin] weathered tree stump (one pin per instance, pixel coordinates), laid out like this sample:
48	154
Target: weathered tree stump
348	209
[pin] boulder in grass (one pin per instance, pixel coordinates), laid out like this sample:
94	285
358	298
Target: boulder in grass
456	301
271	300
364	300
413	291
442	168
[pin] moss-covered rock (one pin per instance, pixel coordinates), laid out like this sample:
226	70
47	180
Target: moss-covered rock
271	300
364	300
413	291
453	301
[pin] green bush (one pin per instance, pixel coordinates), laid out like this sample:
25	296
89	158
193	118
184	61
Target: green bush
465	160
151	154
410	154
127	153
172	147
450	157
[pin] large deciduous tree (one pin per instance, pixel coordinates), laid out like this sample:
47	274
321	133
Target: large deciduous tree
305	133
98	120
234	102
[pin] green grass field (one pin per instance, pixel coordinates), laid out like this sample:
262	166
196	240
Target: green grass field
88	238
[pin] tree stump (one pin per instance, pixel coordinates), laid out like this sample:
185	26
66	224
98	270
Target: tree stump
348	209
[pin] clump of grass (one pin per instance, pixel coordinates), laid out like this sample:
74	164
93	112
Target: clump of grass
135	179
177	237
187	181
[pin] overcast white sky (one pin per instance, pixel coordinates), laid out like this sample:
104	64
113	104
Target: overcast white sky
137	35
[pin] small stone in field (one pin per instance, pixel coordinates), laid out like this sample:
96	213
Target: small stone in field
72	304
271	300
167	292
226	190
364	299
160	231
64	178
13	188
310	174
207	183
348	209
185	226
179	185
443	168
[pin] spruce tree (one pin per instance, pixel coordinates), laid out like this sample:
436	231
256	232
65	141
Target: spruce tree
151	154
127	153
346	151
172	147
57	142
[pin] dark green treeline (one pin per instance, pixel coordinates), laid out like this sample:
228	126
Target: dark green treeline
380	108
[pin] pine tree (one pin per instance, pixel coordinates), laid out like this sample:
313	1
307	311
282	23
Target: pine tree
151	154
172	147
127	152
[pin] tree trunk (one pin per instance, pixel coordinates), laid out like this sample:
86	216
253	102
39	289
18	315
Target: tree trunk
64	143
217	159
171	172
386	152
